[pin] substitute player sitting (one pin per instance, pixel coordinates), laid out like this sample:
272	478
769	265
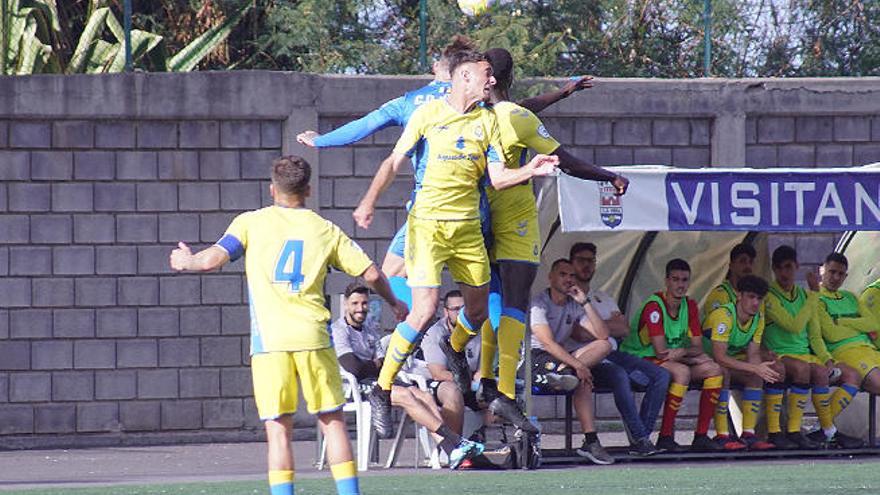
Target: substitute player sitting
289	249
360	352
742	262
794	334
736	329
462	142
667	332
848	326
568	338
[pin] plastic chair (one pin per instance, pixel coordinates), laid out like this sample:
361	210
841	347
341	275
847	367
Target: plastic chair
356	403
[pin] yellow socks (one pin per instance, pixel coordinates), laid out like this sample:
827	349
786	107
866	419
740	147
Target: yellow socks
751	407
281	482
511	331
346	478
797	402
402	343
773	408
487	350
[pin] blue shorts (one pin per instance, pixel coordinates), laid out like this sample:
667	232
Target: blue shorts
398	243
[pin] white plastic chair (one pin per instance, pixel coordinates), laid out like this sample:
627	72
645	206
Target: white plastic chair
425	444
356	403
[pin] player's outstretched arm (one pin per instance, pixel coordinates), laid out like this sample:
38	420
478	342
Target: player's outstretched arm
351	132
212	258
573	165
538	103
503	177
363	214
377	281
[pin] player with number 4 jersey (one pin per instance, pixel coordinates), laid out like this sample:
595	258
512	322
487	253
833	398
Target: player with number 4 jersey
287	250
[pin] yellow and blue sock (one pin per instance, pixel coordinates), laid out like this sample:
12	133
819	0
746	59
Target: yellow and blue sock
721	427
751	400
822	403
346	478
841	398
773	408
488	344
281	482
511	330
462	334
797	403
402	343
401	290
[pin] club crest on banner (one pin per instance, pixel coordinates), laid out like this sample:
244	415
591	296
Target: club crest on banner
610	207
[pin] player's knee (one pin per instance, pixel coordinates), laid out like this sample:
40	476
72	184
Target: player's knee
818	375
452	399
680	374
849	376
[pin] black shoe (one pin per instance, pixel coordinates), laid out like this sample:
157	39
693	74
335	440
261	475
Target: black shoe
702	443
838	441
642	448
846	442
668	444
380	405
820	439
458	366
802	442
508	409
488	391
595	453
781	441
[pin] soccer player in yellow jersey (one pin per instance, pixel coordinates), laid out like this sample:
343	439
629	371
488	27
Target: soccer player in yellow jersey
742	261
460	139
515	242
794	335
848	327
289	248
736	330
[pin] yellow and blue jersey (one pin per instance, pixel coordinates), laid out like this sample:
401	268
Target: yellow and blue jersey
457	149
520	130
287	253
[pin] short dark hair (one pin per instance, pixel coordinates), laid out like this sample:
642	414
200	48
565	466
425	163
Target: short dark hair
502	67
458	43
782	254
558	262
450	294
752	283
356	288
677	264
462	57
837	258
579	247
291	174
741	249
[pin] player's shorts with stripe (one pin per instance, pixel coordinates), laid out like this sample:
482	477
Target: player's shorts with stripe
276	389
458	244
516	239
862	357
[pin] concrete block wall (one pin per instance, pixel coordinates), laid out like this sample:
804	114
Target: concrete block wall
100	176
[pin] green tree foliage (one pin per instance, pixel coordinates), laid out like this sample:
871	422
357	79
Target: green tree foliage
611	38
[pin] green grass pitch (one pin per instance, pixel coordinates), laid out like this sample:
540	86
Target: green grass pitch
802	478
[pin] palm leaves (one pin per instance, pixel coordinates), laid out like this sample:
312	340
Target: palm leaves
30	32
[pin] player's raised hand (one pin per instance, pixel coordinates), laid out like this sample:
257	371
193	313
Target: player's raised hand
621	184
400	310
543	165
181	257
576	84
577	294
307	138
363	215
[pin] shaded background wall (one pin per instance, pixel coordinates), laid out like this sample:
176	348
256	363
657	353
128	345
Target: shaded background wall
100	176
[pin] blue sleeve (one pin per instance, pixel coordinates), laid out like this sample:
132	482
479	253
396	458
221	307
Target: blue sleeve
352	132
232	246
